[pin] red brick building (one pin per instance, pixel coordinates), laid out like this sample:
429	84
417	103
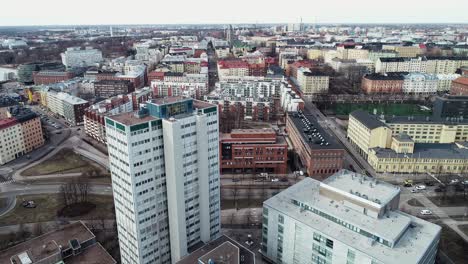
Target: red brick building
390	83
253	151
48	77
318	152
459	86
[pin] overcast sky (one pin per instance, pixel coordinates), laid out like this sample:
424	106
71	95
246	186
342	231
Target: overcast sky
63	12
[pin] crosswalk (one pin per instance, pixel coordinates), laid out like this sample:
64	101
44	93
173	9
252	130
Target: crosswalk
5	182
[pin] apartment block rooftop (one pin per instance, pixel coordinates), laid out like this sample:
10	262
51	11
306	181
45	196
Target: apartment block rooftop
342	207
72	242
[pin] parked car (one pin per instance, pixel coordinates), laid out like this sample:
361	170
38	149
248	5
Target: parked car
465	182
459	188
29	204
414	191
408	183
421	187
429	183
275	180
426	212
284	179
235	180
454	181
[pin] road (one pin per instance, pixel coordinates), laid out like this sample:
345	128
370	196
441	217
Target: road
351	157
17	189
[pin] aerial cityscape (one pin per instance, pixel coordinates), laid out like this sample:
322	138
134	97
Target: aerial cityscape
234	139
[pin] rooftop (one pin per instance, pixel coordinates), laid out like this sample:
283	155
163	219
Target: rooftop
130	119
389	76
7	122
312	132
367	119
220	247
427	151
53	242
169	100
412	236
461	80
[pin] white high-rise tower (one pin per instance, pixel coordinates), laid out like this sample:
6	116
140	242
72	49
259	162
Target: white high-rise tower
165	178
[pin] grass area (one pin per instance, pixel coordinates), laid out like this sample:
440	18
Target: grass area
449	200
453	245
49	205
415	202
65	161
241	203
387	109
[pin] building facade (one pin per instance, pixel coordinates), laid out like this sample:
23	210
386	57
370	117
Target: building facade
47	77
253	151
383	83
77	57
109	88
68	106
459	86
347	218
312	82
319	153
11	140
164	161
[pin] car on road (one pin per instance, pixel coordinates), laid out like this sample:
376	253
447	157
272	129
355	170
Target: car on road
454	181
439	189
414	191
275	180
284	179
426	212
465	182
58	132
408	183
421	187
429	183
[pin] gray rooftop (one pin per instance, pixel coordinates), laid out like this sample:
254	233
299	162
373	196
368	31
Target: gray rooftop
428	150
413	235
370	121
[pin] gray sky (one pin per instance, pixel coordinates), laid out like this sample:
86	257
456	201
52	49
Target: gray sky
53	12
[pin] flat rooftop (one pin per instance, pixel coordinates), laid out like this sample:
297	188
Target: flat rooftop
130	119
370	189
50	243
94	254
226	253
221	246
414	235
319	137
426	151
169	100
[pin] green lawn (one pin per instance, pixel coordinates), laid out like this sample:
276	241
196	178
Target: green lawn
65	161
48	205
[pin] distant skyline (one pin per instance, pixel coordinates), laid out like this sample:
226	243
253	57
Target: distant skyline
93	12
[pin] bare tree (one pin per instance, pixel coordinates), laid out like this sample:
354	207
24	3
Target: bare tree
76	191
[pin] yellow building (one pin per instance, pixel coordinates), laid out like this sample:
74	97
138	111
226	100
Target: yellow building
316	54
410	144
429	130
425	157
352	54
366	132
312	82
405	51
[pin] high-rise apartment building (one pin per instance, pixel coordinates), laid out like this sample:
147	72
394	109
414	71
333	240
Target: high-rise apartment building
347	218
165	176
